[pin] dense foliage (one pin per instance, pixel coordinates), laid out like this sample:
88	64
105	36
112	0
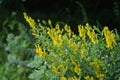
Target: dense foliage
15	51
64	55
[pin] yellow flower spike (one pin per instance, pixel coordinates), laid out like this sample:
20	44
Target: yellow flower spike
48	31
73	60
39	50
44	22
36	35
73	78
82	45
100	76
88	78
30	21
77	70
92	64
32	24
83	53
110	38
67	28
54	69
88	30
49	23
113	39
63	78
55	36
73	35
107	34
93	37
61	31
97	66
82	32
63	67
73	45
87	27
57	27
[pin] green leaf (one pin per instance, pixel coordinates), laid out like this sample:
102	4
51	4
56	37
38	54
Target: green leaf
11	58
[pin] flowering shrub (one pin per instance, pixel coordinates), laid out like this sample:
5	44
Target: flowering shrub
64	55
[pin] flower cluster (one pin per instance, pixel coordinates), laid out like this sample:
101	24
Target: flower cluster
55	35
87	29
69	56
110	38
32	24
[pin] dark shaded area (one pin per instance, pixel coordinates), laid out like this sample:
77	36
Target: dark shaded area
96	12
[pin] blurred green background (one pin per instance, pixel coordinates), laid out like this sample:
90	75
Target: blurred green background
73	12
16	41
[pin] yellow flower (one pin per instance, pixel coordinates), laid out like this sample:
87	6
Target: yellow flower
83	53
54	69
100	76
67	28
29	20
88	29
92	35
63	78
77	70
73	45
110	38
35	34
113	39
39	50
63	66
73	60
96	65
57	27
92	64
88	78
82	32
73	35
49	23
32	24
55	36
73	78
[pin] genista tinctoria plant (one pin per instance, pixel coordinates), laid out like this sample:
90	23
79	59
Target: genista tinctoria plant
63	55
